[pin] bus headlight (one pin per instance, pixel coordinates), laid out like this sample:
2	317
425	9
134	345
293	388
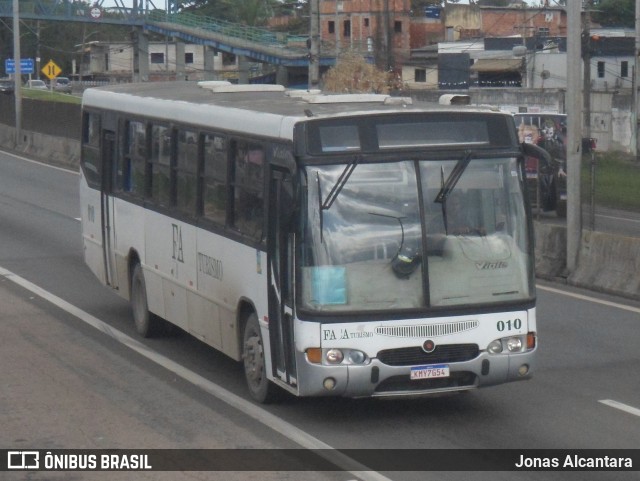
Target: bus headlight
357	357
334	356
514	344
495	347
317	355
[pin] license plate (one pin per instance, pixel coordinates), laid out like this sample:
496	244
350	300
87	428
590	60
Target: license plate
429	372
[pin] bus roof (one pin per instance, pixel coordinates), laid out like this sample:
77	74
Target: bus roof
274	110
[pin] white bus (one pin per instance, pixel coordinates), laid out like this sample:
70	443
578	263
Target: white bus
337	245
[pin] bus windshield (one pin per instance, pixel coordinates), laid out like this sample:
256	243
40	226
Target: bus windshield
389	240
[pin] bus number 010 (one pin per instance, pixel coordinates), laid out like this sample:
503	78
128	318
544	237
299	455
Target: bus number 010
516	324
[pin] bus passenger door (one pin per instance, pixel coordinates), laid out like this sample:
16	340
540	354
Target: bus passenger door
280	270
108	233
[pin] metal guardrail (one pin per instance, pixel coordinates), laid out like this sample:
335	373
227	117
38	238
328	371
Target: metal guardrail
267	45
275	44
258	35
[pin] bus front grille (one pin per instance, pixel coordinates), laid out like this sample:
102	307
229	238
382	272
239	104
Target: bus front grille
411	356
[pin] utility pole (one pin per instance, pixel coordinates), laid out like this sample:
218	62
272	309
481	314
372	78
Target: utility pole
574	133
17	76
388	45
586	60
636	79
314	44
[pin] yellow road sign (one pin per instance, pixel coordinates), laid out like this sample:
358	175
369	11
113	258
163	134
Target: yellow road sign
51	70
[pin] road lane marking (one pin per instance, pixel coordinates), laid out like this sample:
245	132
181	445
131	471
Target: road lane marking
621	406
627	219
582	297
287	430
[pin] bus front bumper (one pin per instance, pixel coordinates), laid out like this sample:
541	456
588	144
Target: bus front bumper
376	379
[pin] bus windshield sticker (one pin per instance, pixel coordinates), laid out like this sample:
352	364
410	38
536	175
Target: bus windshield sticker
329	285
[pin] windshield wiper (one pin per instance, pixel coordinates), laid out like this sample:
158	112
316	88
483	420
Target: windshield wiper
342	181
335	191
450	183
454	177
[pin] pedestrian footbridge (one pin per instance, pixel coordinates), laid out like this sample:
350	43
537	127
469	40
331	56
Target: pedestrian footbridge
257	44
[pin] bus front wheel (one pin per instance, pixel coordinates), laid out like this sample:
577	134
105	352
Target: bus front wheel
147	324
255	369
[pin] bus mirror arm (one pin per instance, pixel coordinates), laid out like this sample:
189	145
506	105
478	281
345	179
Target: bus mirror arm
289	205
320	208
532	150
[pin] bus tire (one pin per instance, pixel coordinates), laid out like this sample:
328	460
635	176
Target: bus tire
146	323
255	372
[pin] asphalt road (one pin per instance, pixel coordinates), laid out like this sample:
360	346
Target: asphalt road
75	382
603	219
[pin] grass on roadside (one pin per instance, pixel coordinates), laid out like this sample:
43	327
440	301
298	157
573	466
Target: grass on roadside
50	96
617	180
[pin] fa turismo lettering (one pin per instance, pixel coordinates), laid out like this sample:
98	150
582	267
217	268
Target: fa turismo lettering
574	461
210	266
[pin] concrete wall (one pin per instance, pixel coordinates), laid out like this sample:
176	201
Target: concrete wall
51	149
611	119
507	100
50	130
607	263
51	118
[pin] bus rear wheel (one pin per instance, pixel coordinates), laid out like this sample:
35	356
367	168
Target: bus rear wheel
255	369
147	324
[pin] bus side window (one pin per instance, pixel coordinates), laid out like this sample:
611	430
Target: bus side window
248	160
160	165
214	190
186	171
91	162
91	131
130	170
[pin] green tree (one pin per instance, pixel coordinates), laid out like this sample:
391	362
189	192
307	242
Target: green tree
55	40
220	9
251	12
298	13
247	12
615	13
